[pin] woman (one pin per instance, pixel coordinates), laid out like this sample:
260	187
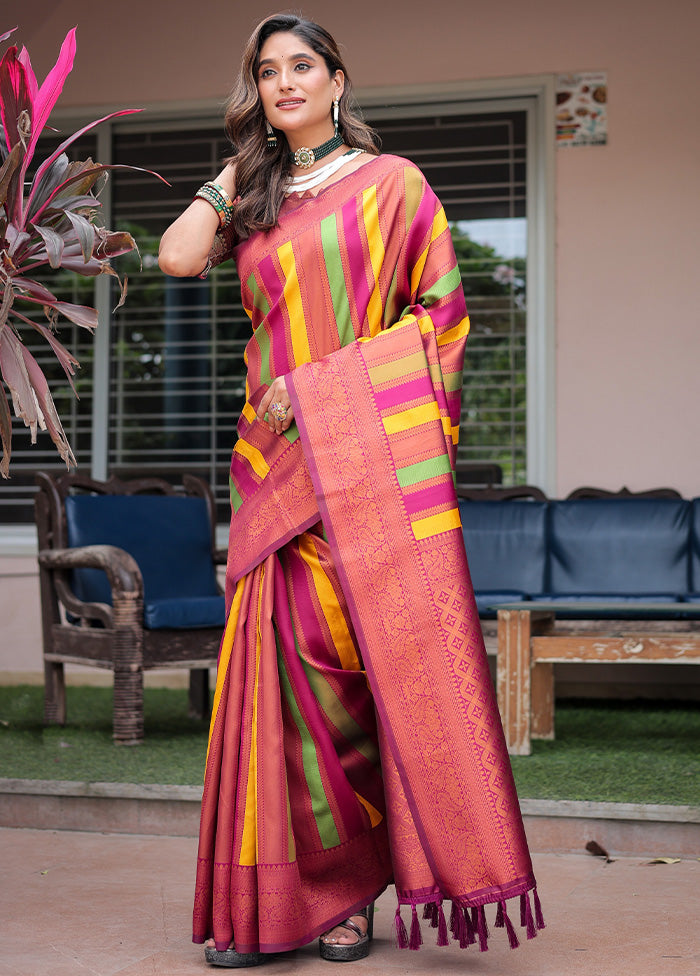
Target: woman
355	738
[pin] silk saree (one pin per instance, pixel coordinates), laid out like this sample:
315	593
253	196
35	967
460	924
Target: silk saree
355	739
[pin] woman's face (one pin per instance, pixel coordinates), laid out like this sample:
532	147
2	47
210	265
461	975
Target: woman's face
296	89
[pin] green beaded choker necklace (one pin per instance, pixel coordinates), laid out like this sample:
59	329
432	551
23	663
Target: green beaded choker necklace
304	158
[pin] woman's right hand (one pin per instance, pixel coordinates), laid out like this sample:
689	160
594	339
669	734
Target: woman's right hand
276	396
185	246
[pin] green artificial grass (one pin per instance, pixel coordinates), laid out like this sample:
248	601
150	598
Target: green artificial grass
622	752
625	752
173	751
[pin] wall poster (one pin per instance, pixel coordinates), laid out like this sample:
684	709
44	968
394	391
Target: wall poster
582	116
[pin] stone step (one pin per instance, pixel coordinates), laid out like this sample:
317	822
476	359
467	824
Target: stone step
552	826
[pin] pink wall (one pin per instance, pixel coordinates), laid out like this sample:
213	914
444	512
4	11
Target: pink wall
627	217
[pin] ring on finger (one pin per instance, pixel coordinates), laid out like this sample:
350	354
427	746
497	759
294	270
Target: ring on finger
278	411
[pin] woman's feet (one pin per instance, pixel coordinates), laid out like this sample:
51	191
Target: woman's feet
230	959
346	942
349	940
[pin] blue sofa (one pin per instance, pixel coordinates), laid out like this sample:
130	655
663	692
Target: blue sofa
620	550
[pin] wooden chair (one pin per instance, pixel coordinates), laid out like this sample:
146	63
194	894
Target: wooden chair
128	583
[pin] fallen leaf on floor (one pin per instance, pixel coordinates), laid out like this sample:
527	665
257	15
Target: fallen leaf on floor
665	860
594	848
43	872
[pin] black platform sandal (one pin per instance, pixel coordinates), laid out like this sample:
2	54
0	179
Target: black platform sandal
353	951
231	959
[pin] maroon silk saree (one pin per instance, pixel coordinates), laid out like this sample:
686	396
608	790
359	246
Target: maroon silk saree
355	737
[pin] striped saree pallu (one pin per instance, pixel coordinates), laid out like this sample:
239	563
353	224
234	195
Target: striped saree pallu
376	433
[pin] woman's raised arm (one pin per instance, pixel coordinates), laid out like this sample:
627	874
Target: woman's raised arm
185	245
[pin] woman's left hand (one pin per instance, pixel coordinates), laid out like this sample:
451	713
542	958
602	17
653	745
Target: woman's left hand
278	407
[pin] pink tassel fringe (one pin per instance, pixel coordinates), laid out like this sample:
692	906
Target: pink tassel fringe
481	927
500	913
470	934
454	921
529	920
539	917
442	939
468	925
416	940
504	919
401	933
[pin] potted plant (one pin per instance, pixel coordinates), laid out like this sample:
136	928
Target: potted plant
50	222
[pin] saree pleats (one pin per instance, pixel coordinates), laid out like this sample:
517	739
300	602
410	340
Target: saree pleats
293	798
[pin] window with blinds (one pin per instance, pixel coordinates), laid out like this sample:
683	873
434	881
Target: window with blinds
177	382
476	163
176	376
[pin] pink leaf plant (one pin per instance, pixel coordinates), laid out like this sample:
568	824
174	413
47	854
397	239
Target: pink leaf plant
51	222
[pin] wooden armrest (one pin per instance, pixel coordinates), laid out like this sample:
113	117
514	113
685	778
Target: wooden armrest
121	568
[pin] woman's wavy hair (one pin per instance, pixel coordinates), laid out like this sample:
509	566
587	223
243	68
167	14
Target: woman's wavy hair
263	173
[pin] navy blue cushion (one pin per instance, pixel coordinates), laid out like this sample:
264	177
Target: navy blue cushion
618	546
170	539
185	613
505	543
695	546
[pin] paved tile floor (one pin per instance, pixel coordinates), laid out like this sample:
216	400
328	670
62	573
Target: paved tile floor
86	904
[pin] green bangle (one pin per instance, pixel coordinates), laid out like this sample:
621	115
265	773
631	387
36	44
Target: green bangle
219	199
217	190
223	209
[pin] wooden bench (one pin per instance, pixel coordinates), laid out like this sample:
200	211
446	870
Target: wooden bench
531	640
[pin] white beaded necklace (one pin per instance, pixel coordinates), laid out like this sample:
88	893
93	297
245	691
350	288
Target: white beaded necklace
307	181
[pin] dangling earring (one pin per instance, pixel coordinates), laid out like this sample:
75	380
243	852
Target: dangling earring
271	137
336	100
